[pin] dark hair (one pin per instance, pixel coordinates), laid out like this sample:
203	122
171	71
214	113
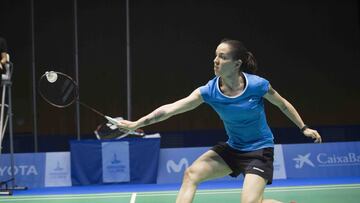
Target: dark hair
239	51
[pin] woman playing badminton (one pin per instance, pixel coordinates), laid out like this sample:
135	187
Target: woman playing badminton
237	95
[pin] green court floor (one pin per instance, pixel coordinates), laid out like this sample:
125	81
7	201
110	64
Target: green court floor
349	193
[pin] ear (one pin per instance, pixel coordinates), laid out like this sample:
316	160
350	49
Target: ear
239	62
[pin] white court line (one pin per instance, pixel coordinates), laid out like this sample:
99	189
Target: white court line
171	193
215	192
61	198
270	189
133	197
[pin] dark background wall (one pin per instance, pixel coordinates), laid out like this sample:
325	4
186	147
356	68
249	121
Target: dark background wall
308	50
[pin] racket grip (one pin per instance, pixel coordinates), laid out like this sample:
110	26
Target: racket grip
141	134
111	120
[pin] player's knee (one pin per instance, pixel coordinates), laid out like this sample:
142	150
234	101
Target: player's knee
192	175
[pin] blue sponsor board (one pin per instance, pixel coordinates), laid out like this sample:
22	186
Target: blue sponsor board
143	165
174	161
36	170
29	169
322	160
133	160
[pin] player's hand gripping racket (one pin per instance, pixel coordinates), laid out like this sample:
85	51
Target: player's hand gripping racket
110	131
60	90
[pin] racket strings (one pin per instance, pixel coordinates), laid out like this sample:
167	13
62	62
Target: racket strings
110	131
68	89
60	93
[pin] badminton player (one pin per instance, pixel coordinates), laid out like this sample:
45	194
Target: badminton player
237	95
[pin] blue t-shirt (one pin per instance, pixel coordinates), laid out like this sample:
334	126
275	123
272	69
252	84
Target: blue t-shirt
243	115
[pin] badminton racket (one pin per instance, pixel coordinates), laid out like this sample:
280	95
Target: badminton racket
60	90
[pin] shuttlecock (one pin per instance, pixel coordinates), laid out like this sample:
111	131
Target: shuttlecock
51	76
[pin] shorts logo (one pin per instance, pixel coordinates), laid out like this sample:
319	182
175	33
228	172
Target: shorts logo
258	169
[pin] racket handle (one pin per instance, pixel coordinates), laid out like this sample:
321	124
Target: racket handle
140	134
115	122
111	120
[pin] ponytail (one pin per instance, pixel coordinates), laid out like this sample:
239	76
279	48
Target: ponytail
249	64
239	51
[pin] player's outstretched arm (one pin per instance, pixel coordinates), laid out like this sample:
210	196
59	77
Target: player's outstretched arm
166	111
288	109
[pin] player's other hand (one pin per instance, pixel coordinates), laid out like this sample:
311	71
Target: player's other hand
313	134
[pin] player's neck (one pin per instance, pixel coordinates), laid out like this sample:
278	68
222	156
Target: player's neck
234	82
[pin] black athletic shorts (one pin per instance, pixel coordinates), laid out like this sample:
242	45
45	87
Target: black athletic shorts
259	162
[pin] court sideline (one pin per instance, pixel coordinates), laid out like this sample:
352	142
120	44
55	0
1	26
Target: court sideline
317	191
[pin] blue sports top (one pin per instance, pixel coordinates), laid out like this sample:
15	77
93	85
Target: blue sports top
243	115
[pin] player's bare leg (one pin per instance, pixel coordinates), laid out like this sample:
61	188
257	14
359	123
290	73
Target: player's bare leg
253	190
208	166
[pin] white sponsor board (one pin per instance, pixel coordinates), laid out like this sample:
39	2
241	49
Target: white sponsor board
115	162
57	169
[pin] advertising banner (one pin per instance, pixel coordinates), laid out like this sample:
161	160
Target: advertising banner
322	160
174	161
35	170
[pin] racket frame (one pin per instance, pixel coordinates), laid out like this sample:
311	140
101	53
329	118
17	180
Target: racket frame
76	99
110	119
71	80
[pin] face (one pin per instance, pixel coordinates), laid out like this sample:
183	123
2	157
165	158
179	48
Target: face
224	65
